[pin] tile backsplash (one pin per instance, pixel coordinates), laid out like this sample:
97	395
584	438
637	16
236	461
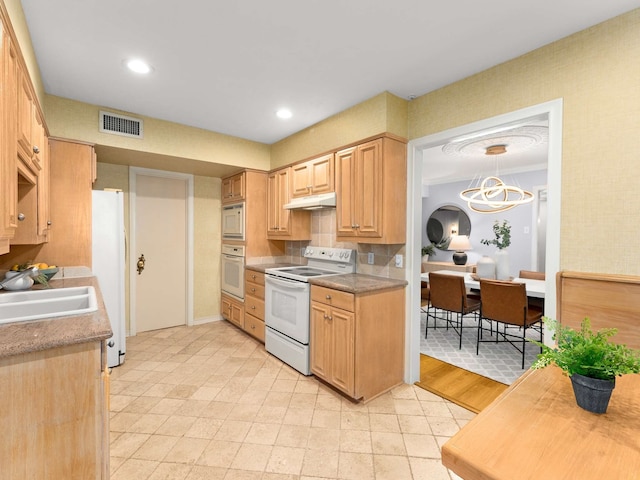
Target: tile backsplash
323	234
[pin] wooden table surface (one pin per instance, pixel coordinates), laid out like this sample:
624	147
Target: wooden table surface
535	430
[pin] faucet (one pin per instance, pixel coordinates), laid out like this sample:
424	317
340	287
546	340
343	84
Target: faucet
29	272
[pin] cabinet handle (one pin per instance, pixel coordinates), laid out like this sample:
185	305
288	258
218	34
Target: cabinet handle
253	276
328	297
253	290
21	217
328	317
357	226
49	222
36	149
253	307
253	327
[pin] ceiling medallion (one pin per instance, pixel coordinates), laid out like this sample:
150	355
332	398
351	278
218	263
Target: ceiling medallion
517	140
493	195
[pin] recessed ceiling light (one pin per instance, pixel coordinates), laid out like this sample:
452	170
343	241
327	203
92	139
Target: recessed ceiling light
284	113
138	66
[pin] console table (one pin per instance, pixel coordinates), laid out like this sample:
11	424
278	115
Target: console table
535	431
435	266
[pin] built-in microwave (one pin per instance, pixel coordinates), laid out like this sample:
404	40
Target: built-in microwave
233	221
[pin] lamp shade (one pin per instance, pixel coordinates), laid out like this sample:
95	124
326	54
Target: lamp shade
460	243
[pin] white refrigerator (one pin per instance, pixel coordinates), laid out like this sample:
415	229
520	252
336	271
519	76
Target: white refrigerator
108	262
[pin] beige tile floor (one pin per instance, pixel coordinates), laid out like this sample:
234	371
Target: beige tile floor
208	402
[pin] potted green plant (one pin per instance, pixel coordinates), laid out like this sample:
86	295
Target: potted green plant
590	360
502	233
428	250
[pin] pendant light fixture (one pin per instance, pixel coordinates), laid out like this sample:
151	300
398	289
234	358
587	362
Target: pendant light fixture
493	195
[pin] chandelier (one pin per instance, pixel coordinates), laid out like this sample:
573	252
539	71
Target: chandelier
493	195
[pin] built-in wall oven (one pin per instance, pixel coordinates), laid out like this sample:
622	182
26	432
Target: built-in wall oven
233	221
233	270
287	302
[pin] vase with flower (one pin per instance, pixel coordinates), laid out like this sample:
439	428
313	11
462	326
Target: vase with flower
502	233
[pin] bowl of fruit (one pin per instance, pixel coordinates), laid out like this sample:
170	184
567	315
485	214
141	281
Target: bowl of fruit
45	272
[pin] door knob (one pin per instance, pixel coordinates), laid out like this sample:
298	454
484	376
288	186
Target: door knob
140	264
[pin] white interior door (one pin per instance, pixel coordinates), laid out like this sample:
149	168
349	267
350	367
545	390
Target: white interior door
160	220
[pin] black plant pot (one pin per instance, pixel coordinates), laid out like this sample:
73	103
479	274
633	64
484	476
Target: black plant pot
592	394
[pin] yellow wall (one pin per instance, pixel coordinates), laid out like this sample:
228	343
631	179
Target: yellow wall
383	113
597	73
207	239
71	119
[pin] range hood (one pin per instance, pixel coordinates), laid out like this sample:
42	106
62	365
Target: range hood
312	202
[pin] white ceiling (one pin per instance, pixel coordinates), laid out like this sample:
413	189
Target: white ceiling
227	66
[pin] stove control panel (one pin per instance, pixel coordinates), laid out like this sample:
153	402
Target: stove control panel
345	255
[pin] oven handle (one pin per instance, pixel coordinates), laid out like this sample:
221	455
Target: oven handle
291	284
233	258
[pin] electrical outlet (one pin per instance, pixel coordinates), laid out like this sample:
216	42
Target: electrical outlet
399	260
370	259
302	250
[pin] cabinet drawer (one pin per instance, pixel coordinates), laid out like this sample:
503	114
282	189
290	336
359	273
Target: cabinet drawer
254	277
254	289
254	326
254	306
335	298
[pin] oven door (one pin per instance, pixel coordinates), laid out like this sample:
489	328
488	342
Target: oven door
287	307
233	275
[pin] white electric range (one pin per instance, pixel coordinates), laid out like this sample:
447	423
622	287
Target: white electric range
287	302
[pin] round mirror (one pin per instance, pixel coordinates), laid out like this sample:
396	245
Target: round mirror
446	221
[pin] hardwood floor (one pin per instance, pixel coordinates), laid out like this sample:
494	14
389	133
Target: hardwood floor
467	389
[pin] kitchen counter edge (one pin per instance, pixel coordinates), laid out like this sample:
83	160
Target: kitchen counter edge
47	333
358	283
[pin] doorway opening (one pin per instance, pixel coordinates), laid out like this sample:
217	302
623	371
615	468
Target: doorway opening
551	112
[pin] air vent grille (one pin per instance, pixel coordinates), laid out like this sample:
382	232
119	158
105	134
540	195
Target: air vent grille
117	124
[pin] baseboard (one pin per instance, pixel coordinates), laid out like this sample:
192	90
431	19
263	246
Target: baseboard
203	320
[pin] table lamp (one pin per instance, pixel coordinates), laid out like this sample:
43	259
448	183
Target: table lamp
459	243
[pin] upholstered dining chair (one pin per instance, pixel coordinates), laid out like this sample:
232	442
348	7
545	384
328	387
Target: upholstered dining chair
449	294
534	302
506	303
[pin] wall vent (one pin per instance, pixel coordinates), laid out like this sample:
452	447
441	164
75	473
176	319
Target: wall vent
117	124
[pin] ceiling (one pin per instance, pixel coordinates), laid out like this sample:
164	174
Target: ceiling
227	66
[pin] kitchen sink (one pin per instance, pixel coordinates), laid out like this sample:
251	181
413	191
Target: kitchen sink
38	304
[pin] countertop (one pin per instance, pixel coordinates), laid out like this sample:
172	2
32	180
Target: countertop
358	283
36	335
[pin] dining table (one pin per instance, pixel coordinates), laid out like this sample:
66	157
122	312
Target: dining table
535	288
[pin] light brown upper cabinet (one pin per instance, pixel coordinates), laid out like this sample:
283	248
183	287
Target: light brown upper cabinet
283	223
313	176
8	170
233	188
371	193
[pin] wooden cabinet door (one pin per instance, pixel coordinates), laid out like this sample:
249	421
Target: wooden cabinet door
301	180
343	365
233	189
8	170
44	179
345	192
278	187
368	194
25	116
320	340
313	177
321	174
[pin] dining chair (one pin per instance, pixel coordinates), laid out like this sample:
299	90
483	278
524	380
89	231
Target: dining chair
506	303
532	275
535	302
449	294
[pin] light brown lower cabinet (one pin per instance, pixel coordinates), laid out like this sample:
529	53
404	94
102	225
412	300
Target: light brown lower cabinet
254	303
233	310
54	415
357	340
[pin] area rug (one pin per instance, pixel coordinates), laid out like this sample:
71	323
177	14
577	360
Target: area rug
500	362
467	389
